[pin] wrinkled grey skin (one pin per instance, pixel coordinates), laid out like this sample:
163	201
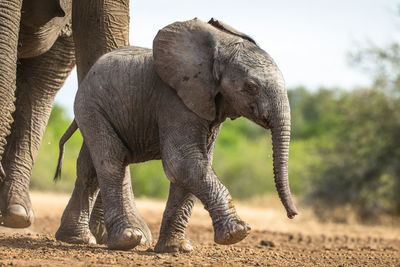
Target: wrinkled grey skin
37	52
37	33
135	105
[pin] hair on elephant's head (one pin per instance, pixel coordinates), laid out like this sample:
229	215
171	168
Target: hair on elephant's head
202	60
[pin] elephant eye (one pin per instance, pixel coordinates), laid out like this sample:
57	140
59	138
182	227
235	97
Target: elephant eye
251	88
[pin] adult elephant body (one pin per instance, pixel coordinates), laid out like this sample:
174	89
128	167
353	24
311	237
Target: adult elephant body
40	41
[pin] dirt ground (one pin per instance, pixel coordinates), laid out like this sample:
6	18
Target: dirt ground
274	240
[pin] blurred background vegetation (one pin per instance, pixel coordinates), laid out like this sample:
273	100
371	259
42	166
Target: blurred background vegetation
345	147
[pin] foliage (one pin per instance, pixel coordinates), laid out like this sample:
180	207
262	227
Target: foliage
148	179
46	162
382	65
360	166
244	164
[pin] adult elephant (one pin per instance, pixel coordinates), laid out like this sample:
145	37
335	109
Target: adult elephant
38	49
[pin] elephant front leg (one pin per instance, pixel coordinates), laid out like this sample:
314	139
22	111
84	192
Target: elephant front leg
228	227
74	226
38	80
188	166
175	219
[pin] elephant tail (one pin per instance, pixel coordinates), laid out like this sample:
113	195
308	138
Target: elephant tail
70	131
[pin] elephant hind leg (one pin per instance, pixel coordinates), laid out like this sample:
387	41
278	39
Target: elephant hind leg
175	219
96	222
74	226
133	214
38	81
109	156
98	228
121	234
113	179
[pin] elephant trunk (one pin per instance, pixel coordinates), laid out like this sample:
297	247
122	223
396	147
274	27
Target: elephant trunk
280	143
10	16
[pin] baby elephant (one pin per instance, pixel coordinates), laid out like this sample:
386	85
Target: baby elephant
136	105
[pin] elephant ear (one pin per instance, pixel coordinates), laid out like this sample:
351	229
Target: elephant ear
228	29
184	59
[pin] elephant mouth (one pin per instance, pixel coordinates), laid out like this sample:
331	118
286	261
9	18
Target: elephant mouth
264	121
259	117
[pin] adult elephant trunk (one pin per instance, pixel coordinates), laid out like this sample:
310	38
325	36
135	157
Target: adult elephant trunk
10	16
280	142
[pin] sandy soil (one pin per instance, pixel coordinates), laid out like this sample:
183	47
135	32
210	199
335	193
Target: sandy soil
274	240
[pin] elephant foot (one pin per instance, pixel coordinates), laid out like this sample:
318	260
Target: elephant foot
125	240
15	204
173	244
75	238
99	231
231	232
16	216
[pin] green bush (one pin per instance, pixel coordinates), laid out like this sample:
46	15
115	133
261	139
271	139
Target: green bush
46	162
360	167
149	180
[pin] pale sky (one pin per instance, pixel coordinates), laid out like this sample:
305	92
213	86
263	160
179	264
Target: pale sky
308	39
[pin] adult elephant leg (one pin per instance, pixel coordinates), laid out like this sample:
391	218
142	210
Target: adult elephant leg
175	219
38	80
100	26
10	16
